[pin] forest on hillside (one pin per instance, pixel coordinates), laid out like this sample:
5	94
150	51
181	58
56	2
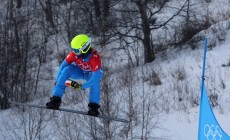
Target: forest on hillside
26	26
34	34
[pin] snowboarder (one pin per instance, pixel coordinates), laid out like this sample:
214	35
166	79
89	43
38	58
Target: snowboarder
83	62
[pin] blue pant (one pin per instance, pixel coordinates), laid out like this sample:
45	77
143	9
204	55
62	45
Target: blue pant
72	71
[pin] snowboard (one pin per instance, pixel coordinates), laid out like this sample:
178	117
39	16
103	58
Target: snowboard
71	111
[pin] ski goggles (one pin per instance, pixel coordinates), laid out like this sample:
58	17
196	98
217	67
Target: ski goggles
85	48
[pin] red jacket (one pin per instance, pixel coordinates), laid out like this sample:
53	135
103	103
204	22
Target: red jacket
93	63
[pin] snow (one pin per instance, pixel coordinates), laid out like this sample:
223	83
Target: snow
180	120
180	125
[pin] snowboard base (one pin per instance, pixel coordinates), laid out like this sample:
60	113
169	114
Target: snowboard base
71	111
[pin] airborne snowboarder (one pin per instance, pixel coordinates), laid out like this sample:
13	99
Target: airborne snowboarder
83	62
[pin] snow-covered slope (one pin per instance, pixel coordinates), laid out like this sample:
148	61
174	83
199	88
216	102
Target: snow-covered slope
178	94
184	125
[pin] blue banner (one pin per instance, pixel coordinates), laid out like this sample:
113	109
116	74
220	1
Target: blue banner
209	128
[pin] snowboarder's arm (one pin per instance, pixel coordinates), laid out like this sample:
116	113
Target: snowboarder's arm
68	60
62	66
94	79
95	63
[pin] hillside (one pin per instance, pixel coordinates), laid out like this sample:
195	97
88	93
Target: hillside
182	123
159	98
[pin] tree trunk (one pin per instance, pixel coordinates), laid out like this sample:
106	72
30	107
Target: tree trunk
97	8
148	49
19	4
106	8
49	13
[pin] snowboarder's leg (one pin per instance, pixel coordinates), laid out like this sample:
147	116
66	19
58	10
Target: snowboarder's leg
93	109
72	71
94	100
54	102
94	94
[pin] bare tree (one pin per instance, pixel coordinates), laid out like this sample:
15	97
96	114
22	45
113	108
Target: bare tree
31	124
20	49
141	17
48	10
19	3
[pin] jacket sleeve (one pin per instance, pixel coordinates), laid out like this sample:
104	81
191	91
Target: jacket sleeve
62	66
95	62
68	60
94	79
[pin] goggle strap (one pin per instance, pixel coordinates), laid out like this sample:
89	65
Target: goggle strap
86	45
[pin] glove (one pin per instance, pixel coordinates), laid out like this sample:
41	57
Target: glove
76	85
73	84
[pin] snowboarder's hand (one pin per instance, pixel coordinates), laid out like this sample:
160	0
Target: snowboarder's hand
73	84
78	87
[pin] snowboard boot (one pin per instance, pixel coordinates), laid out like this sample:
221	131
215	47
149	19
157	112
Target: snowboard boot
93	109
54	103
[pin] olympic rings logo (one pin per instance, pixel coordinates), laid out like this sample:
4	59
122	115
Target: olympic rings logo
212	132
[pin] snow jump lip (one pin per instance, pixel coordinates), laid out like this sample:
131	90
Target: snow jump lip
71	111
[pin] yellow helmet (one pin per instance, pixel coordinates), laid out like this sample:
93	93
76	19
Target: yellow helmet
81	44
